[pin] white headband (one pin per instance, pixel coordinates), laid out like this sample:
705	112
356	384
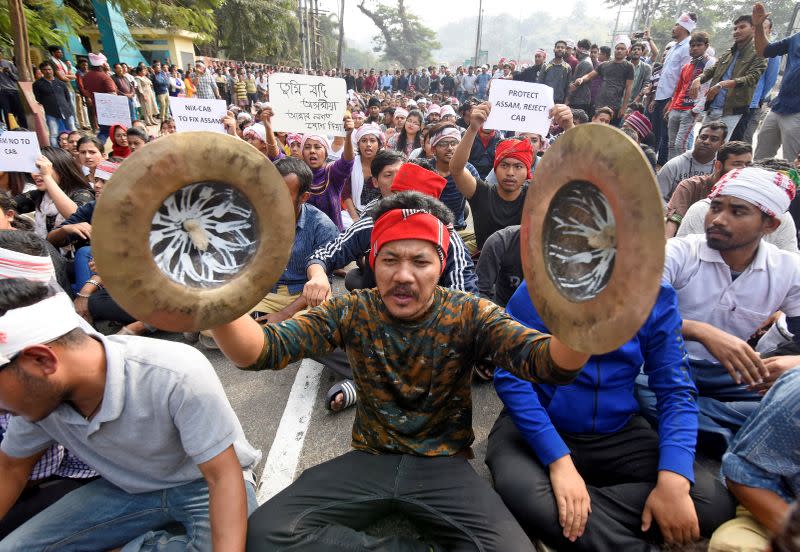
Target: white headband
36	324
449	132
400	112
771	192
29	267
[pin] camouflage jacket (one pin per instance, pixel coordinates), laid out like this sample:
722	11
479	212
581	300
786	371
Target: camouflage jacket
413	378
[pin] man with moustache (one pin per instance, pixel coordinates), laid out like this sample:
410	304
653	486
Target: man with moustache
556	74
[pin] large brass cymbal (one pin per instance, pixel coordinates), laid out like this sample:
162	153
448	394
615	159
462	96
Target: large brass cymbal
192	231
592	238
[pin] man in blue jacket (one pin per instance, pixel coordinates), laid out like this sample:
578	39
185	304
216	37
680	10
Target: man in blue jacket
582	470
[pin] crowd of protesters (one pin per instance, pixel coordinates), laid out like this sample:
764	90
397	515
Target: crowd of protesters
111	439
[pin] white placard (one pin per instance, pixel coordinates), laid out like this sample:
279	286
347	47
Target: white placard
19	151
307	104
520	106
112	110
198	114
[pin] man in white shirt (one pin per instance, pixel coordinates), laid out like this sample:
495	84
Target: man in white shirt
677	57
729	283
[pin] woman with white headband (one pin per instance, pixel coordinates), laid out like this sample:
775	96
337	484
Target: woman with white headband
360	188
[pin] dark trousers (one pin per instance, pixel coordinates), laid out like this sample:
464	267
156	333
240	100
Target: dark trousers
620	470
330	505
741	126
10	103
35	499
103	307
660	130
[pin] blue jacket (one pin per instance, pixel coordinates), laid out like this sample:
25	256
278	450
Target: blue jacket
601	399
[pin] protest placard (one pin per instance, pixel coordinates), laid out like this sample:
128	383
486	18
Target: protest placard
198	114
307	104
520	106
18	152
112	109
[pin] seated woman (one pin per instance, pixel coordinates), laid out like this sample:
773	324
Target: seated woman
90	152
410	136
92	301
119	141
60	190
361	187
137	138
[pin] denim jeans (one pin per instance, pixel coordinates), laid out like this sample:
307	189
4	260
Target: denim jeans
660	130
724	405
82	271
102	134
57	125
101	516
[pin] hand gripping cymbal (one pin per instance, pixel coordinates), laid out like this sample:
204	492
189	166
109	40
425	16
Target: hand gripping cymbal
592	238
192	231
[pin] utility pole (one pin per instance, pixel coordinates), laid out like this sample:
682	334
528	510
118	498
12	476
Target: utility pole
303	52
308	29
340	49
478	37
317	37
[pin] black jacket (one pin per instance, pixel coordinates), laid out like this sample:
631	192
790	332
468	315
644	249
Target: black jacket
54	97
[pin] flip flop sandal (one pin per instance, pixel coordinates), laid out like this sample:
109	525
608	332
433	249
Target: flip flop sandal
348	390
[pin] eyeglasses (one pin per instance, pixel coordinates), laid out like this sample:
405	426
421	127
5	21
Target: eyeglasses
448	144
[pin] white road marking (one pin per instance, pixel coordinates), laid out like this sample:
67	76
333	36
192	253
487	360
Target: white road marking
284	455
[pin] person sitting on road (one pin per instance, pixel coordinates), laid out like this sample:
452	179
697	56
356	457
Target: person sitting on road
24	255
313	230
581	469
411	344
498	206
97	396
499	267
785	237
732	155
354	245
729	283
762	470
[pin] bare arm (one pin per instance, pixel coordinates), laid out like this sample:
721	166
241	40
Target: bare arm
349	153
227	501
464	180
766	506
241	340
586	78
65	206
760	40
15	473
626	97
565	357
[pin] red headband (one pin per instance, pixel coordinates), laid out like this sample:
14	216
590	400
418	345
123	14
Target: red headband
521	150
409	224
413	177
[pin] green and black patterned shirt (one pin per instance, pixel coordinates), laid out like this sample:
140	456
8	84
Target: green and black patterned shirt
413	378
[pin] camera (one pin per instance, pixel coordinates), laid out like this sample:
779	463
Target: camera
637	34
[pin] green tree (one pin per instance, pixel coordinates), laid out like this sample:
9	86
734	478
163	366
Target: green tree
42	17
257	30
403	38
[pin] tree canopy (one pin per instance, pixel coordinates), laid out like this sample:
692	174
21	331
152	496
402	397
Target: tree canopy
403	38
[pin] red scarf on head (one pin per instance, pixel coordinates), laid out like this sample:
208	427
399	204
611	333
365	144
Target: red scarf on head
409	224
521	150
116	149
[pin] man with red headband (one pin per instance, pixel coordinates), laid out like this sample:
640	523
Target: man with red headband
354	245
495	207
412	345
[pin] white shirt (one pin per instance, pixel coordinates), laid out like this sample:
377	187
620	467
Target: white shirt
677	57
707	293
